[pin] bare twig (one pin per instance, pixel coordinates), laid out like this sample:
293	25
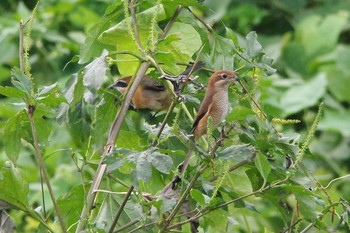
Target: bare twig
129	224
120	209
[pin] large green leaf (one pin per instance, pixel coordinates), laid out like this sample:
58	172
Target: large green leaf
71	205
119	36
92	47
180	44
263	165
14	187
302	96
13	132
319	33
335	120
161	162
94	73
236	152
22	82
11	92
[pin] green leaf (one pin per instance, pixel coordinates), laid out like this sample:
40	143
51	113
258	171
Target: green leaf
79	125
254	48
92	47
74	89
263	165
198	197
49	96
239	113
11	92
119	36
161	162
105	114
307	202
94	73
230	34
12	134
143	166
71	205
236	152
302	96
336	120
326	28
14	188
338	73
21	81
180	44
221	54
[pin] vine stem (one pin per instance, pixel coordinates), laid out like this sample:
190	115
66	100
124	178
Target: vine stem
30	111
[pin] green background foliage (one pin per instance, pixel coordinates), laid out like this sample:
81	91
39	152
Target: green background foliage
291	56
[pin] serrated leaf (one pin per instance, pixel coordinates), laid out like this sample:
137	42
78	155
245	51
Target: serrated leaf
306	200
231	35
180	44
71	205
79	125
161	162
13	131
21	81
221	54
236	152
94	73
254	48
143	167
14	188
74	89
263	165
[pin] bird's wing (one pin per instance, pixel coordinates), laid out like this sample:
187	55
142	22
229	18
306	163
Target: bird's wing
204	108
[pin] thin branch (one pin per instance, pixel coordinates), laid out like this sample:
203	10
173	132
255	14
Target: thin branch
120	209
129	224
30	112
182	198
134	24
170	23
200	20
207	211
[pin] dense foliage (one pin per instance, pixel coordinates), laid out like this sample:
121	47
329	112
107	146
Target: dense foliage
72	160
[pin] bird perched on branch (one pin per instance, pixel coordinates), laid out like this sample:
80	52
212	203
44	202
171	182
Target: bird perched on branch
214	106
151	94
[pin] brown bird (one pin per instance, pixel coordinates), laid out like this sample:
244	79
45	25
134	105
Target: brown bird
150	94
215	106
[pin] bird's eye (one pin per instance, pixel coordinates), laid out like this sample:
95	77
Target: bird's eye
224	76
